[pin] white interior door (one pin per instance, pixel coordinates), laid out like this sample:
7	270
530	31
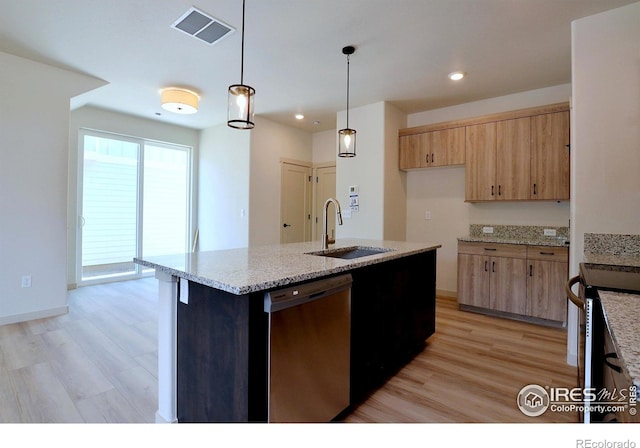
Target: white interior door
295	203
325	188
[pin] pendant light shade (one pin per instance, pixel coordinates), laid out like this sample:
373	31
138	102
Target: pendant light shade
347	136
240	109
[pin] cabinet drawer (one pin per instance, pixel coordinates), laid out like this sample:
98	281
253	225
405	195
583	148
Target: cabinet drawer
493	249
548	253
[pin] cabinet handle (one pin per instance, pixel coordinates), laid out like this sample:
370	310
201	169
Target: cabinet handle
485	265
490	248
499	190
432	158
534	189
607	357
491	190
427	157
493	266
547	253
530	270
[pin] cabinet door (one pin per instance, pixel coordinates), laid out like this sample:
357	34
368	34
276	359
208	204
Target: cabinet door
550	156
446	147
508	284
412	148
480	170
546	297
513	159
473	280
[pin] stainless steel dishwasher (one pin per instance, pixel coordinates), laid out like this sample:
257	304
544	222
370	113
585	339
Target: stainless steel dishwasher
309	350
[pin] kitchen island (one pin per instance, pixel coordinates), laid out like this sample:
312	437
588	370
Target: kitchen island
213	345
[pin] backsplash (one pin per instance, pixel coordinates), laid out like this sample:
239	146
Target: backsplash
611	244
519	232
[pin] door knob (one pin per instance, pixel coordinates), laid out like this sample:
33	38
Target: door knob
286	225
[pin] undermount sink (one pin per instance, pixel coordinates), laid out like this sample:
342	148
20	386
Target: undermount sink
348	253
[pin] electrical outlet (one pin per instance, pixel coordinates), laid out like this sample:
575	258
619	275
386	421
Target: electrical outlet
427	215
549	232
26	281
487	230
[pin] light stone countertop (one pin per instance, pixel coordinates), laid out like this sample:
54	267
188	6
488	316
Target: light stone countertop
622	313
258	268
551	242
612	260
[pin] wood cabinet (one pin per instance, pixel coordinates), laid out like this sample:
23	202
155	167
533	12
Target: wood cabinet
515	279
550	156
492	276
547	273
430	149
480	170
511	156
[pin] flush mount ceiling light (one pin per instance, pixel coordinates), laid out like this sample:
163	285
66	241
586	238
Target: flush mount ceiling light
456	76
240	109
347	136
299	117
179	101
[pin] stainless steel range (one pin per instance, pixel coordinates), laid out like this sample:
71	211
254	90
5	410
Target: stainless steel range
593	278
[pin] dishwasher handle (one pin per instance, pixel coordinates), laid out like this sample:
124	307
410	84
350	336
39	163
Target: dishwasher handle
307	292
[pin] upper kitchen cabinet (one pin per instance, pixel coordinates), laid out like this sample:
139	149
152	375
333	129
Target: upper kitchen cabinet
528	160
520	155
480	171
498	166
433	148
550	156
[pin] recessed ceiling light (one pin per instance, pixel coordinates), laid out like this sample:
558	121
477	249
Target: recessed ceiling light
299	116
456	76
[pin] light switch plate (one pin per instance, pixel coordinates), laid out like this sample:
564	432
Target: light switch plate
487	230
549	232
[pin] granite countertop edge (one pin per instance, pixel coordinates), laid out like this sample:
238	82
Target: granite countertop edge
612	260
551	242
246	270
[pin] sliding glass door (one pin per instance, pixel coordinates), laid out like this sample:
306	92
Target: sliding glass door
135	201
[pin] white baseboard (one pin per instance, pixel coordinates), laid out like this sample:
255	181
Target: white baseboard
24	317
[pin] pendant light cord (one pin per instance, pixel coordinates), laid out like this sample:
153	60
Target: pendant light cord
348	91
242	48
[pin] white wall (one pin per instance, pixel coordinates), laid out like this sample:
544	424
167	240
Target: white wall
223	188
441	190
324	146
605	137
366	170
271	142
395	181
34	125
123	124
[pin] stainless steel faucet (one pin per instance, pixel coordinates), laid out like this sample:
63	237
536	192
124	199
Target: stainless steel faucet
325	236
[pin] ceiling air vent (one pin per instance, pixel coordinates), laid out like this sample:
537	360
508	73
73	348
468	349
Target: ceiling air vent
202	26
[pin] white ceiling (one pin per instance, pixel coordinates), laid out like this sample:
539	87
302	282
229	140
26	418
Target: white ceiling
293	51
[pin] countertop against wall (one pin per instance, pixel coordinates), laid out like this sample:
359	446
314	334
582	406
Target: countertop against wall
509	234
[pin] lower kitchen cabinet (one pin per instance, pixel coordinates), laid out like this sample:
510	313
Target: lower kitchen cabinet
513	280
492	276
547	272
392	314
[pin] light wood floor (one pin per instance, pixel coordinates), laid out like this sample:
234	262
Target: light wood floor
99	364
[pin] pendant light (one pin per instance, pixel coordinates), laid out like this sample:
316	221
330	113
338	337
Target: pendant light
347	136
240	103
